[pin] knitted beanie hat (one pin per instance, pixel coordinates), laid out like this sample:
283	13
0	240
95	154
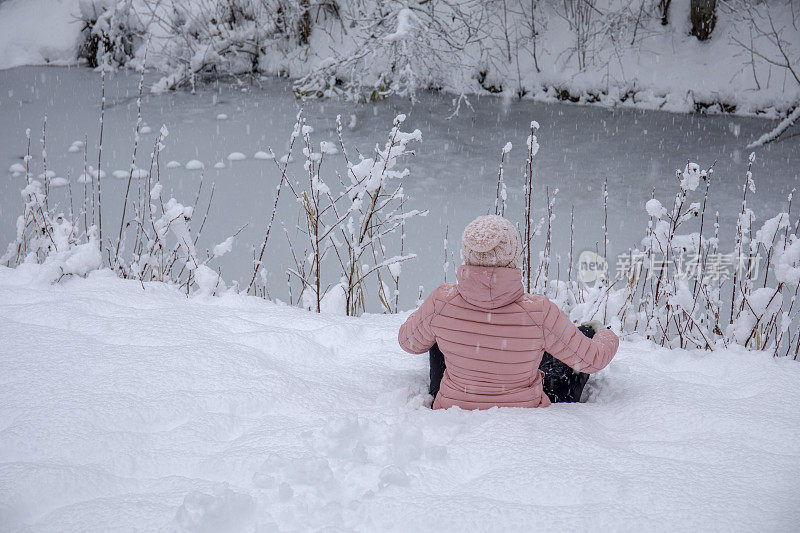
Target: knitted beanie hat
490	241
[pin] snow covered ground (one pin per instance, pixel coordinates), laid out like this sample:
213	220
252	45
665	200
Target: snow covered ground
38	32
643	64
123	408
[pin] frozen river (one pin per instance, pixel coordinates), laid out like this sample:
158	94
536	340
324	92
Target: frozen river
453	173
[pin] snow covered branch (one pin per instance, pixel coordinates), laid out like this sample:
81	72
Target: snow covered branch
348	225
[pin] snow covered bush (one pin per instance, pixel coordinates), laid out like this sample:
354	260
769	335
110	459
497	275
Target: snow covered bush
48	237
51	240
347	222
194	41
687	297
199	39
156	244
572	50
112	32
393	47
158	238
682	288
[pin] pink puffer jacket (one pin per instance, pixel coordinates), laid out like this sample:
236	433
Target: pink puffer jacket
493	336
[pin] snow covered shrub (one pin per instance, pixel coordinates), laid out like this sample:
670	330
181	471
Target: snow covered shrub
214	38
466	46
156	243
396	48
163	249
692	295
597	51
673	306
208	38
681	288
49	238
112	31
163	246
346	224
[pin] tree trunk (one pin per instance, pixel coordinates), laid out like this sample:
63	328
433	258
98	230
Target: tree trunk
663	6
304	23
704	18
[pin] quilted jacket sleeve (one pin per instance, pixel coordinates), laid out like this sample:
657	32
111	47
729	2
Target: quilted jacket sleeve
415	334
564	341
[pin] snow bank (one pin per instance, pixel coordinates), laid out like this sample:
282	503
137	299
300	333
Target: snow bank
124	408
38	32
629	58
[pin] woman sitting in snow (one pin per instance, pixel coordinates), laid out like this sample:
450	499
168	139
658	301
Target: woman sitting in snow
493	336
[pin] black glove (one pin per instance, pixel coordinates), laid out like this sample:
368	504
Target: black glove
593	325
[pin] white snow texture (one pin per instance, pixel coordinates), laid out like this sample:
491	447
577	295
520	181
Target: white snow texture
666	68
123	408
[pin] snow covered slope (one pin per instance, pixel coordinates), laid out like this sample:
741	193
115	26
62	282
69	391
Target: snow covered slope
124	408
38	32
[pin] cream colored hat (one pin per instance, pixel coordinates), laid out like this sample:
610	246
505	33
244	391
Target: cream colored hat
491	241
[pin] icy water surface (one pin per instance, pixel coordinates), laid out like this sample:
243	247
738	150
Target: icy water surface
453	173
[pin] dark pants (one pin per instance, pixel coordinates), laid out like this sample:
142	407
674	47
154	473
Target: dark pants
561	383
